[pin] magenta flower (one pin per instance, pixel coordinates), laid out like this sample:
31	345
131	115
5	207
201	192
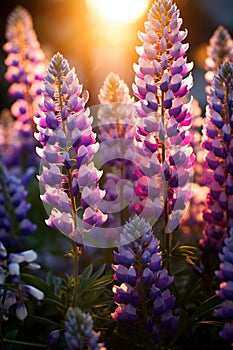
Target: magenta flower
25	69
162	83
68	146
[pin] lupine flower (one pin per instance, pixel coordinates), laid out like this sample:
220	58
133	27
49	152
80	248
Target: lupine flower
13	208
217	140
225	275
25	69
10	145
220	49
65	133
162	84
13	300
143	281
116	115
79	332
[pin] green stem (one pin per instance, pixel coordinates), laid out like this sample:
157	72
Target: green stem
167	236
76	253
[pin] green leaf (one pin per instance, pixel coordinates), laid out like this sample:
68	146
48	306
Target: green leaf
44	320
209	305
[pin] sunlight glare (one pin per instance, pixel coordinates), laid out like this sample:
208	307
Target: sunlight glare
119	11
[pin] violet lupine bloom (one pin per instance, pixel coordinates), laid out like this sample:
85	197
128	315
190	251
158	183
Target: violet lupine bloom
13	208
25	69
218	141
13	300
143	294
68	175
79	332
10	144
225	275
162	84
117	126
220	49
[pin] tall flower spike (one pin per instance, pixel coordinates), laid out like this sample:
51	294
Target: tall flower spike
220	49
68	174
225	275
25	69
10	145
13	208
143	294
162	84
116	116
79	333
217	140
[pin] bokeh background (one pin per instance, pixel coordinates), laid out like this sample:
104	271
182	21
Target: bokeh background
96	47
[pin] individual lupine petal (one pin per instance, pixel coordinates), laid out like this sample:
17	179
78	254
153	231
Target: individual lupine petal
93	217
13	269
125	313
35	292
227	332
124	257
21	311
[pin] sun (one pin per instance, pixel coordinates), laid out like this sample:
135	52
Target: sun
119	11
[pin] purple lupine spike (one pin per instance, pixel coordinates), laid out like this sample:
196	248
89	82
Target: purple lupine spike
79	332
68	144
116	117
225	275
13	208
218	214
10	145
25	69
139	270
162	83
220	49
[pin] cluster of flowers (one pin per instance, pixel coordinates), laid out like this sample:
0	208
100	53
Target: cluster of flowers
155	156
79	332
219	144
13	300
13	207
143	293
162	83
65	133
25	70
225	274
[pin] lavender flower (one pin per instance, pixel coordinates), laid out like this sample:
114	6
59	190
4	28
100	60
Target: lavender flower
143	294
225	275
217	141
116	115
79	332
13	208
25	69
13	299
162	83
65	133
219	50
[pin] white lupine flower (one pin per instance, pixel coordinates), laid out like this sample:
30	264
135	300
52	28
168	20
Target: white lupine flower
13	269
36	293
21	311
